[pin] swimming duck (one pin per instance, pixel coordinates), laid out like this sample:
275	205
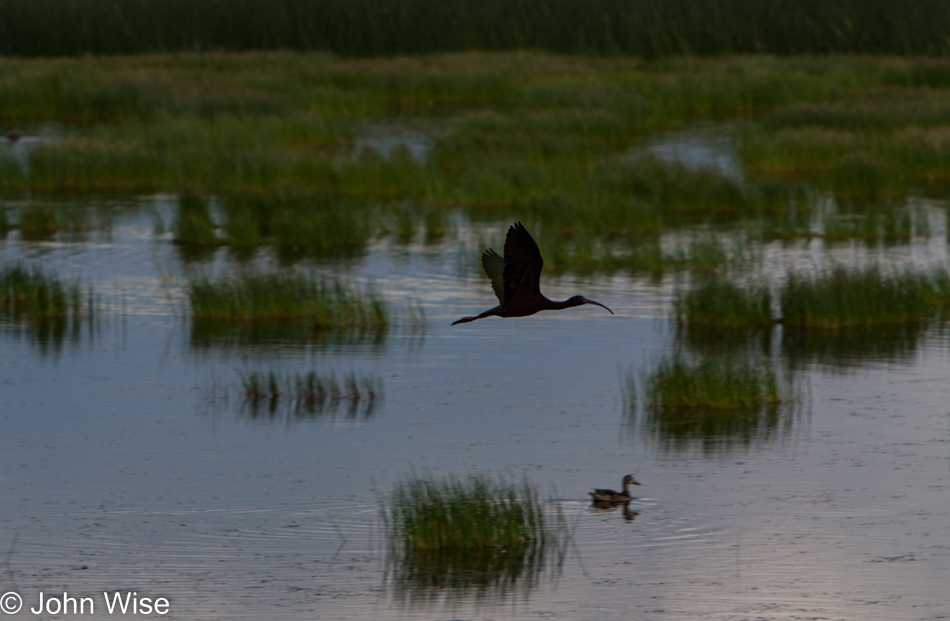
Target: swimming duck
609	495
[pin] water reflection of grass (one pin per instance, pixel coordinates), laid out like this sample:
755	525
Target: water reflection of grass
850	347
212	335
311	394
477	535
279	297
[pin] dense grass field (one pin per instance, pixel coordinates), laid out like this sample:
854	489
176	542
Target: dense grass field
552	139
276	148
390	27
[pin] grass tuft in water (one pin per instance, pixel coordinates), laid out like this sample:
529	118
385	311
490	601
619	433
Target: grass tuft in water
478	512
712	383
716	402
845	298
38	222
268	297
35	294
718	303
193	224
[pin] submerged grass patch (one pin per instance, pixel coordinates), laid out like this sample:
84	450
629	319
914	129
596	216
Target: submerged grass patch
277	297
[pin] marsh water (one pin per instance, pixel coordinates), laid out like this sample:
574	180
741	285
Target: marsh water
129	460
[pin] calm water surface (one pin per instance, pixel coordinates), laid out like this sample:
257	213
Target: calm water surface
127	460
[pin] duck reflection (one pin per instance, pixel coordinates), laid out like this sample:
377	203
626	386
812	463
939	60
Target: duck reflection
606	506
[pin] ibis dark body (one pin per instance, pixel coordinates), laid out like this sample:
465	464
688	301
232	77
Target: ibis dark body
516	279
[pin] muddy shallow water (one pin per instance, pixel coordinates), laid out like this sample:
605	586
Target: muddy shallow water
128	461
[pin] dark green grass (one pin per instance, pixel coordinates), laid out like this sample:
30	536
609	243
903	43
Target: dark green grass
847	349
844	298
34	295
549	139
392	27
193	225
278	297
295	220
839	298
477	512
886	224
718	303
715	384
867	146
715	402
38	222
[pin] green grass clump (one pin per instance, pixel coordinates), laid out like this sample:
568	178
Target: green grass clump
193	225
37	222
887	224
478	512
37	295
718	303
715	384
844	298
296	221
274	297
716	403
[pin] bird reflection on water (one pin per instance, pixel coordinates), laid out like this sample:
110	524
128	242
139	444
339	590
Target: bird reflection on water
602	506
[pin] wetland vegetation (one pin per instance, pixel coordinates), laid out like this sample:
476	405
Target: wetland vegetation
391	27
478	534
285	297
713	400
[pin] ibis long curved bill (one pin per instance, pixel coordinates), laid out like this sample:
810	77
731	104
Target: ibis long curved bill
589	301
516	279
